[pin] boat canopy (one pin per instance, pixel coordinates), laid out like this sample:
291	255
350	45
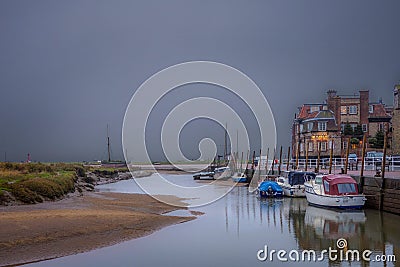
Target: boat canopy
298	178
337	184
274	186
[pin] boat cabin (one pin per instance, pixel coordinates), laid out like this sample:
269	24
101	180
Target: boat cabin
296	177
335	184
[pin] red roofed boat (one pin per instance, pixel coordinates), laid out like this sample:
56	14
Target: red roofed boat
334	191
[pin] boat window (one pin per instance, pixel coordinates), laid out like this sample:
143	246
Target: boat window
346	188
326	186
318	180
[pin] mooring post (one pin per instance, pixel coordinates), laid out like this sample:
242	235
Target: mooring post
347	156
362	163
306	147
383	186
331	157
280	161
288	158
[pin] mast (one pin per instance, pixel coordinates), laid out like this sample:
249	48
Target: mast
108	146
225	143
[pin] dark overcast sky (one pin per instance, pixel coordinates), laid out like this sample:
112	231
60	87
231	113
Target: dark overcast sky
67	68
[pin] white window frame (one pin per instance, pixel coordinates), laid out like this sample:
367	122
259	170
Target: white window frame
323	145
322	126
371	109
343	110
310	126
310	146
364	128
353	110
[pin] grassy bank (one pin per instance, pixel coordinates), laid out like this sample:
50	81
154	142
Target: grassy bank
36	182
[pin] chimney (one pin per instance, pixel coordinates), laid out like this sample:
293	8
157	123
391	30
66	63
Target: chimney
333	103
364	106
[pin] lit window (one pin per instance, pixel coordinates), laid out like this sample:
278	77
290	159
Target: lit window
314	108
322	126
364	128
353	110
371	109
343	110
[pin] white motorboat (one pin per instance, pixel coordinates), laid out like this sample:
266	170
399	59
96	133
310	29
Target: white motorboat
292	182
334	191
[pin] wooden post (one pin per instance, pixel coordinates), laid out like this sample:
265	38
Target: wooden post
384	156
280	161
288	158
273	162
383	172
319	157
259	166
363	162
266	163
347	155
306	146
331	157
241	164
297	154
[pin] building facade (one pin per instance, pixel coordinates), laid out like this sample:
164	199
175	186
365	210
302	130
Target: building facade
325	126
396	120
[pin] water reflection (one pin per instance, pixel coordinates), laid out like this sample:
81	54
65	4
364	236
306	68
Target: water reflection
235	227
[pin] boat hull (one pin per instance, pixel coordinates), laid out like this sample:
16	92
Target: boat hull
293	191
239	179
339	202
273	194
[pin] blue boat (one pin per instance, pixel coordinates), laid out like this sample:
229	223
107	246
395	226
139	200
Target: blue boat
270	189
239	178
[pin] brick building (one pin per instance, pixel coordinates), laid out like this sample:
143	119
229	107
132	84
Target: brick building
323	124
396	120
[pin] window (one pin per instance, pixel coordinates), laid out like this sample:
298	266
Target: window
310	146
331	144
371	109
380	126
322	126
342	127
343	110
310	125
353	126
301	128
314	108
344	145
353	110
364	128
323	146
301	147
326	186
346	188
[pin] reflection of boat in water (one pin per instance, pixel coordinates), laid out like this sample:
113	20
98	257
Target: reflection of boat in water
334	191
334	224
292	182
270	189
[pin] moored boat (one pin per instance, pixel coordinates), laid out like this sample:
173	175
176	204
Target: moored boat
334	191
292	182
270	189
239	178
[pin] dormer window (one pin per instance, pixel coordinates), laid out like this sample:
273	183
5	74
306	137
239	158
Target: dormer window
371	109
314	108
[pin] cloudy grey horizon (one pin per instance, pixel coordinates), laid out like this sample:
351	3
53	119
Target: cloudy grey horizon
69	68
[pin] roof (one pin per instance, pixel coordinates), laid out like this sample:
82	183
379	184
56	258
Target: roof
339	179
306	114
379	112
